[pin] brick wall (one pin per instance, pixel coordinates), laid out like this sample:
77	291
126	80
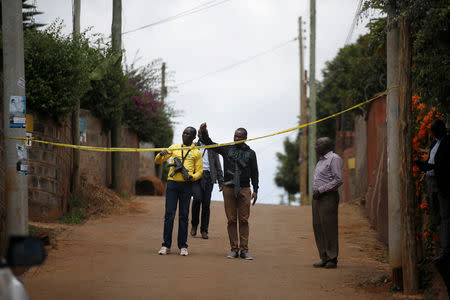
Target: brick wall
50	169
2	175
95	167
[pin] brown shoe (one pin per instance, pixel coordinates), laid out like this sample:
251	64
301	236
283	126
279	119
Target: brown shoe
204	235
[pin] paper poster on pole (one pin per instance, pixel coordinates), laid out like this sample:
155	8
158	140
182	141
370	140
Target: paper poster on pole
17	111
22	162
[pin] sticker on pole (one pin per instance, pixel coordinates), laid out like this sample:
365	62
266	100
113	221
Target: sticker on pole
22	164
21	82
17	111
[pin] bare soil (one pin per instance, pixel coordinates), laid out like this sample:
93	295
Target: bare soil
116	258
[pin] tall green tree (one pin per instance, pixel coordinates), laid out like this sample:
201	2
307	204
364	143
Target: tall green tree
287	175
28	13
430	29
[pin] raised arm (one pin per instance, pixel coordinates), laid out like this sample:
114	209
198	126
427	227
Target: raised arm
163	156
205	139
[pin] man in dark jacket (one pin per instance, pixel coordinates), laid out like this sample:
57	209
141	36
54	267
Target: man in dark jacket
438	177
240	166
202	189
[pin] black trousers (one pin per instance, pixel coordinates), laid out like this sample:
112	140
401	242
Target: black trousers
325	225
201	191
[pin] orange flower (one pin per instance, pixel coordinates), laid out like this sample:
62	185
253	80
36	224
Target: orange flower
426	234
424	206
436	238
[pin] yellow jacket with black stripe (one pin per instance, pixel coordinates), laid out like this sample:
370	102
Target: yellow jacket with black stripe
193	162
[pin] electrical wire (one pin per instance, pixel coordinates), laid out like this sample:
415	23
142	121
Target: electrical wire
185	13
355	20
245	60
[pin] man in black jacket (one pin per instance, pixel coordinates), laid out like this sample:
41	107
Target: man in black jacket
202	189
240	166
438	176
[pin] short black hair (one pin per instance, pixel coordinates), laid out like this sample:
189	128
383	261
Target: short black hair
192	128
438	126
242	130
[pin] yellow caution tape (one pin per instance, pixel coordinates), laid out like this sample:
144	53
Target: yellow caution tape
109	149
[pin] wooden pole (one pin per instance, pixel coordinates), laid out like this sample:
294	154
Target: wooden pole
409	257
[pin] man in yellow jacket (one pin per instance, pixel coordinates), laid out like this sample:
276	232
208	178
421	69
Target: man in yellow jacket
186	167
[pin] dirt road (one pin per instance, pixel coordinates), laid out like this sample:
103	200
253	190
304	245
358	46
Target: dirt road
116	258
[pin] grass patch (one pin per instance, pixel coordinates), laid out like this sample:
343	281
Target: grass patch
76	214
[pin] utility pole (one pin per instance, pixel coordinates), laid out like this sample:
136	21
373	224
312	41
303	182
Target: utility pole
163	96
76	114
303	155
394	211
312	130
116	33
14	90
409	257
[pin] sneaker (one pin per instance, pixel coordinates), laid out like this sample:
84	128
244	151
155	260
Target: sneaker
184	252
246	255
164	250
204	235
194	230
233	254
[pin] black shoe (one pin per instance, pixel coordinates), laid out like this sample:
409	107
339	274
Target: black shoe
330	265
320	264
233	254
194	230
246	255
204	235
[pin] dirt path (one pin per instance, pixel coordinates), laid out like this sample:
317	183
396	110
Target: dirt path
116	258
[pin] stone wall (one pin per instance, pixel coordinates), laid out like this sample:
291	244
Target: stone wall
50	170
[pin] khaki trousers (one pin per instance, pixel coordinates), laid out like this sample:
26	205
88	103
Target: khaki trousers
325	225
237	207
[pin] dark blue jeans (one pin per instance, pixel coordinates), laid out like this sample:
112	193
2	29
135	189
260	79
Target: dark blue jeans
201	190
177	192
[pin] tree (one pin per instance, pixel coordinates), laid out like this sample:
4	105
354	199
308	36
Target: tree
28	14
357	73
287	175
430	29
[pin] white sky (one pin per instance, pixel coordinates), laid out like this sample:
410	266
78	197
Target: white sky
261	95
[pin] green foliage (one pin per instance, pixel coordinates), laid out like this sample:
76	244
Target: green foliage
76	214
357	73
28	14
430	35
56	70
287	175
145	113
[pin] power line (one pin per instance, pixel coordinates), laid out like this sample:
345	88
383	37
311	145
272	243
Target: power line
250	58
185	13
355	19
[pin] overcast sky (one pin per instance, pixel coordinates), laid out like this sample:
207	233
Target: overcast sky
261	95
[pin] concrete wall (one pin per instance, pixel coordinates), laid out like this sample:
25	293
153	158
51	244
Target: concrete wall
146	161
360	159
2	176
50	170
